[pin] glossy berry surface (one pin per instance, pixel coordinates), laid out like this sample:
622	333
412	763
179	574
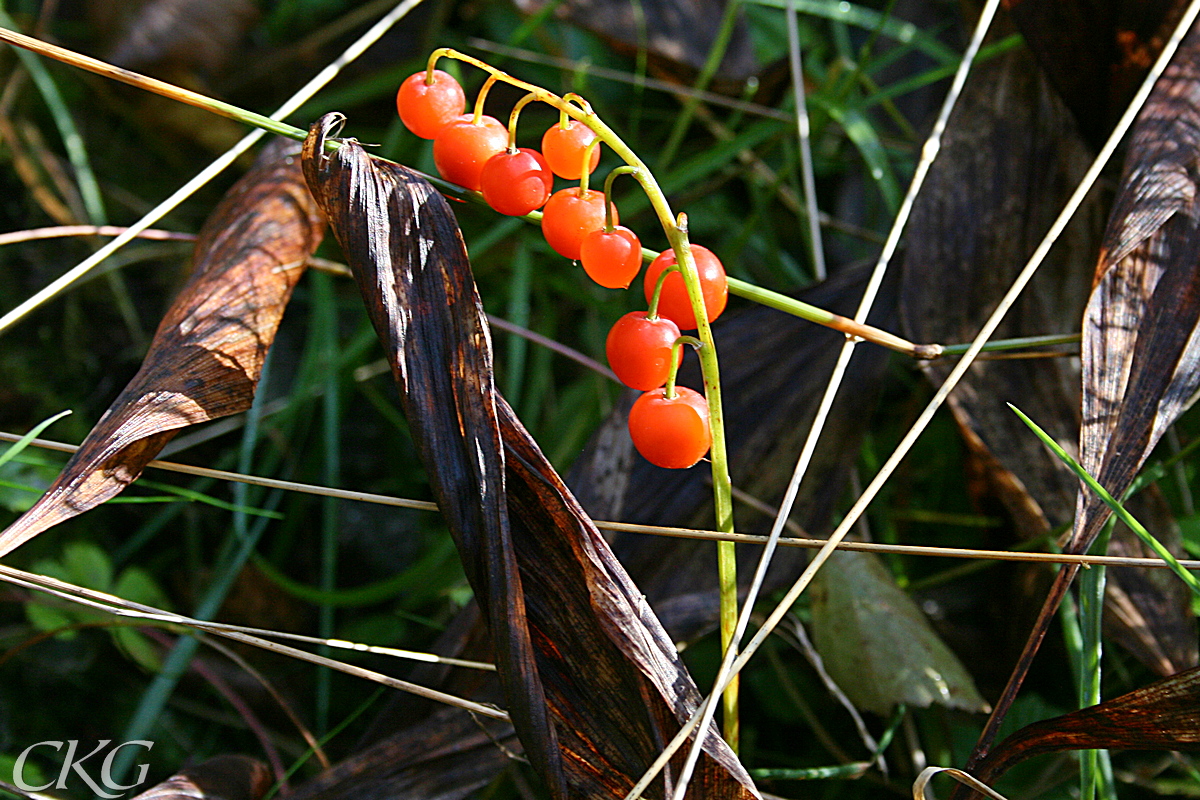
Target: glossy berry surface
639	350
568	217
673	302
563	149
461	148
671	432
611	258
516	183
425	108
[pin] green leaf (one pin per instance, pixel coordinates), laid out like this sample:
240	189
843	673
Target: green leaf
19	445
876	643
138	648
862	134
88	565
47	618
136	585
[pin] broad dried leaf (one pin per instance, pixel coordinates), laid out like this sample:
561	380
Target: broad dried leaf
878	646
407	254
226	777
1141	359
1095	52
447	756
592	683
1010	158
207	354
1162	716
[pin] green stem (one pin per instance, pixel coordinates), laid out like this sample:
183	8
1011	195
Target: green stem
608	183
1091	606
151	84
1019	343
692	341
799	308
481	97
585	173
512	120
652	311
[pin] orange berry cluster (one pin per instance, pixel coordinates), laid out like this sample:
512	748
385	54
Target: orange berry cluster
669	428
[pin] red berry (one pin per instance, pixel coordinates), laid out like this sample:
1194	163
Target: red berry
611	258
639	350
461	148
673	302
425	108
563	149
516	183
568	217
671	432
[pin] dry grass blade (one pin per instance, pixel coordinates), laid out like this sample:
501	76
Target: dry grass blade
964	778
111	604
207	354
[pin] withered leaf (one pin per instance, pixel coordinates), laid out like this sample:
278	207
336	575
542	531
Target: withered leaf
448	755
207	354
1141	359
1162	716
1010	158
1095	53
227	777
590	679
1138	359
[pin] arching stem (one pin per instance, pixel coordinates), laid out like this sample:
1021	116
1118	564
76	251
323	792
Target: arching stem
512	120
487	86
652	311
691	341
608	182
584	172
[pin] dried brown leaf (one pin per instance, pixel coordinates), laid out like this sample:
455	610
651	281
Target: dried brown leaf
1141	360
1095	52
591	681
1162	716
207	353
227	777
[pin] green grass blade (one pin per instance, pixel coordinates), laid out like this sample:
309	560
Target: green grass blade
1135	526
862	134
862	17
16	447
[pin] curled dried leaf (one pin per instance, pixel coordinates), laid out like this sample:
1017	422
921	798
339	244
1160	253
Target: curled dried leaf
207	354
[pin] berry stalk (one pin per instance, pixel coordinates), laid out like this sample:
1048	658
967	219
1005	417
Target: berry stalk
676	231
